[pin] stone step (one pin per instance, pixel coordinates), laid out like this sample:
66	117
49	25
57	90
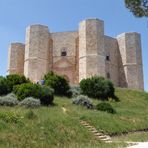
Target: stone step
94	131
101	131
106	139
89	126
93	128
103	136
85	124
98	134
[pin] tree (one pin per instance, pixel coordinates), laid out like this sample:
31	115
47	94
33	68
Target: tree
58	83
138	7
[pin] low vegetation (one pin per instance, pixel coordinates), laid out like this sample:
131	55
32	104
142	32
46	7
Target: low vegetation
97	87
44	93
106	107
75	91
36	125
9	100
30	102
58	83
51	127
3	86
83	101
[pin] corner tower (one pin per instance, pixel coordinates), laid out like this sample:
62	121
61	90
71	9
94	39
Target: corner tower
91	48
16	58
130	52
37	52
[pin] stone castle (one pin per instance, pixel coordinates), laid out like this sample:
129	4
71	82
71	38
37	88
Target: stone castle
80	54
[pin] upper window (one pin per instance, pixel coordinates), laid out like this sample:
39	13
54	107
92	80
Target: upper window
63	52
107	58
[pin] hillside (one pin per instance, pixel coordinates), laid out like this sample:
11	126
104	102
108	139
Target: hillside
51	127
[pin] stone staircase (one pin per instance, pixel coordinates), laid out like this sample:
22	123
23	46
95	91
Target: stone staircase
98	134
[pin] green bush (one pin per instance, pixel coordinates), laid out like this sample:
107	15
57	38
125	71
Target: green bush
106	107
9	100
75	91
27	90
10	117
3	86
30	115
58	83
97	87
15	79
30	102
45	94
83	101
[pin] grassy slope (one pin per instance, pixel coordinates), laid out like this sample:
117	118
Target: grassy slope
53	128
132	113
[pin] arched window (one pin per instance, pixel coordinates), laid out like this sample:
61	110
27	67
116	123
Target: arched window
63	52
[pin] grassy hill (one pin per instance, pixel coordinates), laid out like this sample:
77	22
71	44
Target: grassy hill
51	127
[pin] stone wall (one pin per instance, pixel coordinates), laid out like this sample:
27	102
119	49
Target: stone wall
65	65
112	51
16	58
36	52
130	50
91	48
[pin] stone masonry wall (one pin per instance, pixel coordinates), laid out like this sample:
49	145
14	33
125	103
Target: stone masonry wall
36	52
112	51
91	48
16	58
65	65
130	50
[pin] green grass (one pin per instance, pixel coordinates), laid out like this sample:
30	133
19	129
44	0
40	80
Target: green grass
50	127
136	137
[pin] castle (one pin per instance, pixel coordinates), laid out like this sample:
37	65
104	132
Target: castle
80	54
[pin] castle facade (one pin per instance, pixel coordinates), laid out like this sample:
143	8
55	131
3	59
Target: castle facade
79	54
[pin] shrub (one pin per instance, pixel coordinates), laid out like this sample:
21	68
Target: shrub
45	93
84	101
3	86
30	115
27	90
30	102
58	83
75	91
15	79
106	107
9	100
10	117
97	87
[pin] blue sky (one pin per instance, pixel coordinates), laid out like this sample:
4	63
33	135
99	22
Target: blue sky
64	15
